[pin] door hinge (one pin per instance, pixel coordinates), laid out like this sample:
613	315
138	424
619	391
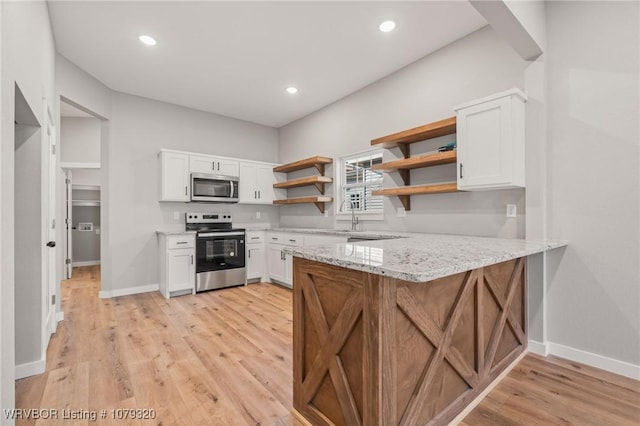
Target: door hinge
67	261
53	299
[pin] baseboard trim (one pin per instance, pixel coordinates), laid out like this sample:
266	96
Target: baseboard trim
538	348
598	361
30	369
87	263
127	291
60	316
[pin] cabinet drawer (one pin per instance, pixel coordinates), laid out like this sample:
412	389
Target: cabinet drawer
285	238
180	242
255	237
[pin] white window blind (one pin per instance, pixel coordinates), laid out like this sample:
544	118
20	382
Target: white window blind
358	182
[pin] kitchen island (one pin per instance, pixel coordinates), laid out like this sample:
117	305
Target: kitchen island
405	331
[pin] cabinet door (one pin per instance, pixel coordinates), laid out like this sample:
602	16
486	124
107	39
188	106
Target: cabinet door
288	270
276	263
202	164
227	167
255	261
247	182
174	177
181	269
490	138
264	184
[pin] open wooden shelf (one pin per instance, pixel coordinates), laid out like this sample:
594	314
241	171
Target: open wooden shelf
317	162
405	192
435	159
318	201
318	181
417	134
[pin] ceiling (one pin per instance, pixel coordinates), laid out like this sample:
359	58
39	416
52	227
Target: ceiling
237	58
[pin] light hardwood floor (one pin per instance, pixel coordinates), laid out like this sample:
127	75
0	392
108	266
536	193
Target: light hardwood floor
224	358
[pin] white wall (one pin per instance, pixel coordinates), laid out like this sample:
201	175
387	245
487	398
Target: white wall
425	91
86	176
594	182
139	129
28	60
80	140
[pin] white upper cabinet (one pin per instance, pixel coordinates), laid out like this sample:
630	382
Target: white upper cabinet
214	165
256	183
490	142
174	184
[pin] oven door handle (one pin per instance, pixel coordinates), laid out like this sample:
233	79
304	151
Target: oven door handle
232	191
220	234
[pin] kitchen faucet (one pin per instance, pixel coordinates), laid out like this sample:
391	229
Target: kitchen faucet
354	219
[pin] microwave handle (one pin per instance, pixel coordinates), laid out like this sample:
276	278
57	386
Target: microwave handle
232	191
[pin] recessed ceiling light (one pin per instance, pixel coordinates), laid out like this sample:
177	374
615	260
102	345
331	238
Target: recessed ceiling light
387	26
292	90
148	40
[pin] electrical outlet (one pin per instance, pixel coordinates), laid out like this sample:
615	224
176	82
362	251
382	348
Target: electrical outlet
176	215
401	212
511	210
257	215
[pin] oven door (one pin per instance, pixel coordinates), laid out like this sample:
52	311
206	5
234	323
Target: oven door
216	251
214	188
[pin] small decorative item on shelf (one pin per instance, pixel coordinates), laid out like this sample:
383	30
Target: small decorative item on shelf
448	147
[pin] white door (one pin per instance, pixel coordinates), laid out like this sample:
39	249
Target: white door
276	263
181	270
227	167
69	223
288	269
255	261
264	183
50	282
175	177
247	183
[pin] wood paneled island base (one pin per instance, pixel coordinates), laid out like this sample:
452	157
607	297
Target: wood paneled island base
374	350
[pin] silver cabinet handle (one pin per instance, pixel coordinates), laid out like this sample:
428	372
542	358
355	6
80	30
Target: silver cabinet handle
249	251
255	194
460	170
274	238
255	238
281	255
185	190
259	194
213	165
182	242
192	259
293	241
218	166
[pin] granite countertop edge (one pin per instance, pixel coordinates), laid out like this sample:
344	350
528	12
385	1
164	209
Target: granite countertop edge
417	259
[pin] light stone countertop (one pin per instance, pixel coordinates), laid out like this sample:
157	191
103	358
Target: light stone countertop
421	257
169	232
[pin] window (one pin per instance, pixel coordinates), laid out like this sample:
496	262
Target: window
358	181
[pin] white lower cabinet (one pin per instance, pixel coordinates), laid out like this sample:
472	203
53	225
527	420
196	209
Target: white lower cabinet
256	256
177	264
278	264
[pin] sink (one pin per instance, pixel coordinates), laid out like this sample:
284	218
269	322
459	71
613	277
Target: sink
365	238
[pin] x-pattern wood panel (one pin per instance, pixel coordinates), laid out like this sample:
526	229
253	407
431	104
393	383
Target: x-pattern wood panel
441	340
505	313
331	341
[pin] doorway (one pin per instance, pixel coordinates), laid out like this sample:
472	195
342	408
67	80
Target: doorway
80	144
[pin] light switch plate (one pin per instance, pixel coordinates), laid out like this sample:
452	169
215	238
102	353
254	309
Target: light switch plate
401	212
511	210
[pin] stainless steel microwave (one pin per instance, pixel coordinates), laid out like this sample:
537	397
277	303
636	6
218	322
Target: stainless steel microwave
214	188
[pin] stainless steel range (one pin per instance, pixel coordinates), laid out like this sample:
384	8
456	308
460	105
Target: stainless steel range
220	258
